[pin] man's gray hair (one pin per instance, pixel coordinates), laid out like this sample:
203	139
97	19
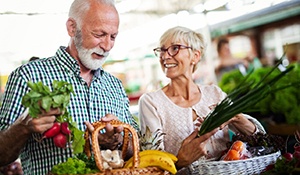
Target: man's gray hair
80	7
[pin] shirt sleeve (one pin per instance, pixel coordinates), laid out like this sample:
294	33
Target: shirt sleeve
12	107
258	125
148	116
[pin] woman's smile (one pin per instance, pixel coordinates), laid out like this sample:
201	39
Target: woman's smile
170	65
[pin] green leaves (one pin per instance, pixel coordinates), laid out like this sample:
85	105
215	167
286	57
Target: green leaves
73	166
40	97
244	97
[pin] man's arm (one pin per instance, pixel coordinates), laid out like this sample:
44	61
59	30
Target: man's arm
13	139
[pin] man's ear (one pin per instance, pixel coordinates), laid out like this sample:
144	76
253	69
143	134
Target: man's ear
71	27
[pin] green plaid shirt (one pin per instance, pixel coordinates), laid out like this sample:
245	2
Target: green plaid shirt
105	95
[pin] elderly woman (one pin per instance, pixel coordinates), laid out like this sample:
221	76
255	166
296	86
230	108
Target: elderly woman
178	108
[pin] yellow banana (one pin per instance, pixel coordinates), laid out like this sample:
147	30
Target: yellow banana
163	162
151	152
161	159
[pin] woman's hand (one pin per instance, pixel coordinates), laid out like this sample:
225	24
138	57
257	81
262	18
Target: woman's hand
232	120
199	122
192	148
112	138
242	124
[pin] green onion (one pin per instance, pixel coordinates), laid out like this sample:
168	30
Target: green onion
243	98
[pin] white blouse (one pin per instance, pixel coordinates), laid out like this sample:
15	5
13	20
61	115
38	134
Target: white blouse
157	111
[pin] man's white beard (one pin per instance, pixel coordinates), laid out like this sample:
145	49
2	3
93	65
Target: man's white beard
85	55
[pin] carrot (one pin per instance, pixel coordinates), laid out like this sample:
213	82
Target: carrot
232	155
238	146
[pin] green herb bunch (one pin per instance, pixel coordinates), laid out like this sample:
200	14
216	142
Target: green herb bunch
285	102
242	99
75	165
40	98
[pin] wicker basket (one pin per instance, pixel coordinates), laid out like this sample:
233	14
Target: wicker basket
135	143
238	167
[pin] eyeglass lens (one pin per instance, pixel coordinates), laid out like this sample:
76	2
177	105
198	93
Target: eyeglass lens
172	50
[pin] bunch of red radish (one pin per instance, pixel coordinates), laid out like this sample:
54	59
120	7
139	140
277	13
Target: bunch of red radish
293	157
288	163
59	132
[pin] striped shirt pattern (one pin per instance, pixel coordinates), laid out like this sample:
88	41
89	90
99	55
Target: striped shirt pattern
105	95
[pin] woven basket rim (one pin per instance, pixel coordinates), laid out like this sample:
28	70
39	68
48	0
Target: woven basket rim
248	166
243	160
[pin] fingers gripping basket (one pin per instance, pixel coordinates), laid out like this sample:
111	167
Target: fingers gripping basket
126	138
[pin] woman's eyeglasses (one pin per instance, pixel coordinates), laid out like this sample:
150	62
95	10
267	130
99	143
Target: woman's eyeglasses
172	50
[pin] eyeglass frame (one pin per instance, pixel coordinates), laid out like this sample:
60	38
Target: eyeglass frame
161	50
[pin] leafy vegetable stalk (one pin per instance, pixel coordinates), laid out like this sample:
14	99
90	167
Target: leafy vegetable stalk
243	98
40	97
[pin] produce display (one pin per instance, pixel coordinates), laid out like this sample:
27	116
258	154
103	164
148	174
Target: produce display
287	163
247	94
283	105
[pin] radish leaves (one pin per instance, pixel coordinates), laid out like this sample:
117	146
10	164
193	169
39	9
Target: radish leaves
40	97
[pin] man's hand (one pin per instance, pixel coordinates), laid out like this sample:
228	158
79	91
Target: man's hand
43	122
112	138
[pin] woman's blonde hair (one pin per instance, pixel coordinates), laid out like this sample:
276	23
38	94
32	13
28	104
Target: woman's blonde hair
179	33
190	37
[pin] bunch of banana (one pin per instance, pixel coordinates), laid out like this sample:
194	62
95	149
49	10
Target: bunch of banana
161	159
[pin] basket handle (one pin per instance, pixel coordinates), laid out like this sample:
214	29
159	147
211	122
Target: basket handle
95	142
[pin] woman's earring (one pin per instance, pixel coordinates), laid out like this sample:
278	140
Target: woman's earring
193	63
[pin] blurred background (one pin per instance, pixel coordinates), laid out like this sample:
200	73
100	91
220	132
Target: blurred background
257	28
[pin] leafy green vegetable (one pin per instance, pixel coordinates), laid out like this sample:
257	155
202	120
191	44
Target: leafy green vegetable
41	94
40	97
246	95
282	103
230	80
73	166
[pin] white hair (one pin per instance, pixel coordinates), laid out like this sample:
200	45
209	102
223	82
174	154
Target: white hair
80	7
